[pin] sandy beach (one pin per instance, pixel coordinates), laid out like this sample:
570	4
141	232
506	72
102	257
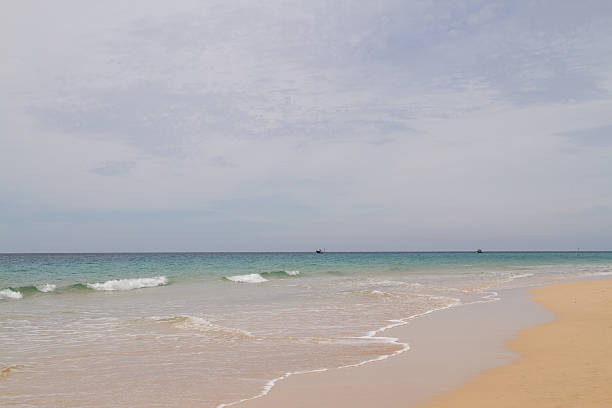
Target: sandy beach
564	363
458	359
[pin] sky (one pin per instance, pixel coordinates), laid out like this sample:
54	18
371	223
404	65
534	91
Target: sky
291	125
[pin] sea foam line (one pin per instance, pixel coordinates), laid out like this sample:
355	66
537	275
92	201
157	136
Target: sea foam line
519	276
491	296
266	389
250	278
187	322
129	284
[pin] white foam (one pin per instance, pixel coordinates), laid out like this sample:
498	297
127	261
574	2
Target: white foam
47	287
129	284
380	293
602	273
193	322
250	278
488	296
187	322
517	276
269	385
378	282
522	275
10	294
292	273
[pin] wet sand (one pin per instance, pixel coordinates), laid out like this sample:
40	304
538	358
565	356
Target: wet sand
458	359
446	349
564	363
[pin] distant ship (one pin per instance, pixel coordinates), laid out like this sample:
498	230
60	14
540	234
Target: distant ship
479	251
321	251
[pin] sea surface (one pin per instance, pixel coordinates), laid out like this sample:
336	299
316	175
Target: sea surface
211	329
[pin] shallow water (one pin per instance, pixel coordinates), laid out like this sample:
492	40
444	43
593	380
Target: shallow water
108	330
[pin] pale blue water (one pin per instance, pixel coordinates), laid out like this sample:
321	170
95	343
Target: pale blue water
18	270
223	324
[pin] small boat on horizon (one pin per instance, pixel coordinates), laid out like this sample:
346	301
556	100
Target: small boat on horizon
479	251
321	251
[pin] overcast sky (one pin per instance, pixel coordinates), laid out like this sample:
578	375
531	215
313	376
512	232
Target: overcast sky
290	125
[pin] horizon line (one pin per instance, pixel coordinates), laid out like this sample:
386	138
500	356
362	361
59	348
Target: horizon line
304	252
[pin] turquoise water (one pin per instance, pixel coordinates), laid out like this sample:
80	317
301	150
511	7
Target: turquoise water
222	325
22	270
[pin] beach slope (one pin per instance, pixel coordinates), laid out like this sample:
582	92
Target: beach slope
564	363
458	360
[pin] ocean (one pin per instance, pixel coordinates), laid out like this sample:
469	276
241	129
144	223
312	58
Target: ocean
212	329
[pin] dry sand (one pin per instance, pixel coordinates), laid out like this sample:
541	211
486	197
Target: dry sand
563	363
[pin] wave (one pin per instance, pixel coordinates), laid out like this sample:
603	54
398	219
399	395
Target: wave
250	278
379	293
281	273
20	292
187	322
33	289
76	287
386	283
516	276
10	294
372	294
129	284
47	287
115	284
373	335
522	275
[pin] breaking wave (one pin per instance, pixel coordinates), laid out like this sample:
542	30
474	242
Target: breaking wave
129	284
259	277
10	294
250	278
47	287
281	273
20	292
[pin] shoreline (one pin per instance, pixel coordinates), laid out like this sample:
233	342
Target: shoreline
296	388
568	360
370	335
421	379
